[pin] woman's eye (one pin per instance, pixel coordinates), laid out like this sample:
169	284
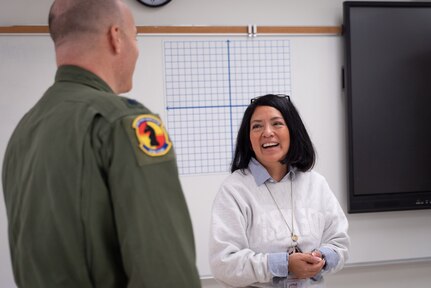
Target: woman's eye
256	126
278	124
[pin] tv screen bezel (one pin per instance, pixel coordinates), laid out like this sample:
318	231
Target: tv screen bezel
361	203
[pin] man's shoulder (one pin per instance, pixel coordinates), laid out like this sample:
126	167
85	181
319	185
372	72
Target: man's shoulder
114	107
110	105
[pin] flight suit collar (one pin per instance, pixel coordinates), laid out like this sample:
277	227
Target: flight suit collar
70	73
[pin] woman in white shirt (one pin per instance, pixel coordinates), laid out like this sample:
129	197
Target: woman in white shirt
275	222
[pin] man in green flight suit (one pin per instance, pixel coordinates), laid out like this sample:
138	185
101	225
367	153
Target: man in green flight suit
90	180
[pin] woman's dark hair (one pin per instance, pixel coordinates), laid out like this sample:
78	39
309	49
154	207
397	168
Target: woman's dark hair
301	152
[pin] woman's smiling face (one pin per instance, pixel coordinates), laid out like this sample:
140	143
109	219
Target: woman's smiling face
269	136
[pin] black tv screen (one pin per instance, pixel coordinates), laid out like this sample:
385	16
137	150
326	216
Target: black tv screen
388	89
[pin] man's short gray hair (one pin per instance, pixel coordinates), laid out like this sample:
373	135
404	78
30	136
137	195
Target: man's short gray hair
72	18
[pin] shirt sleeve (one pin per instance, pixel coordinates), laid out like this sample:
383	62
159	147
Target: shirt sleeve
232	261
331	258
153	224
278	264
331	261
335	240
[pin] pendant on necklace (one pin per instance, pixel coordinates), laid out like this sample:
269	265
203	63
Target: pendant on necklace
294	238
293	249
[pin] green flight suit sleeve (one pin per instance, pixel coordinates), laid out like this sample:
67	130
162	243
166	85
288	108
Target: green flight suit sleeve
153	223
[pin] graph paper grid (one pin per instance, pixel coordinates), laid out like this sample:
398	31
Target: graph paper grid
208	86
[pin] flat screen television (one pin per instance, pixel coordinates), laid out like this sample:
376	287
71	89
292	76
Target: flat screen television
388	91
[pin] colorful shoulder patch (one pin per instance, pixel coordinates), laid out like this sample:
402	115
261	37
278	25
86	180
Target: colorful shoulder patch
152	136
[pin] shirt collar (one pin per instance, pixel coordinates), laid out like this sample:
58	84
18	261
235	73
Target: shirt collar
70	73
261	175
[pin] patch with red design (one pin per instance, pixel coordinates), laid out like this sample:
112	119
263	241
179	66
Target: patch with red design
152	136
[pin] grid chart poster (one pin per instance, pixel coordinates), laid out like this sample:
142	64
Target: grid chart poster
209	85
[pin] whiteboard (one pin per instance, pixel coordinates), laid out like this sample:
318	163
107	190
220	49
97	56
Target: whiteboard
27	68
208	86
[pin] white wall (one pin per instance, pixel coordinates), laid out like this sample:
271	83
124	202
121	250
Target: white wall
199	12
239	12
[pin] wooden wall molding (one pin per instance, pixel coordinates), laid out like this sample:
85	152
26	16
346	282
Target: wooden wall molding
279	30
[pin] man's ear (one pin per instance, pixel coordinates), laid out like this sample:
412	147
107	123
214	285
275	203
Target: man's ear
114	38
